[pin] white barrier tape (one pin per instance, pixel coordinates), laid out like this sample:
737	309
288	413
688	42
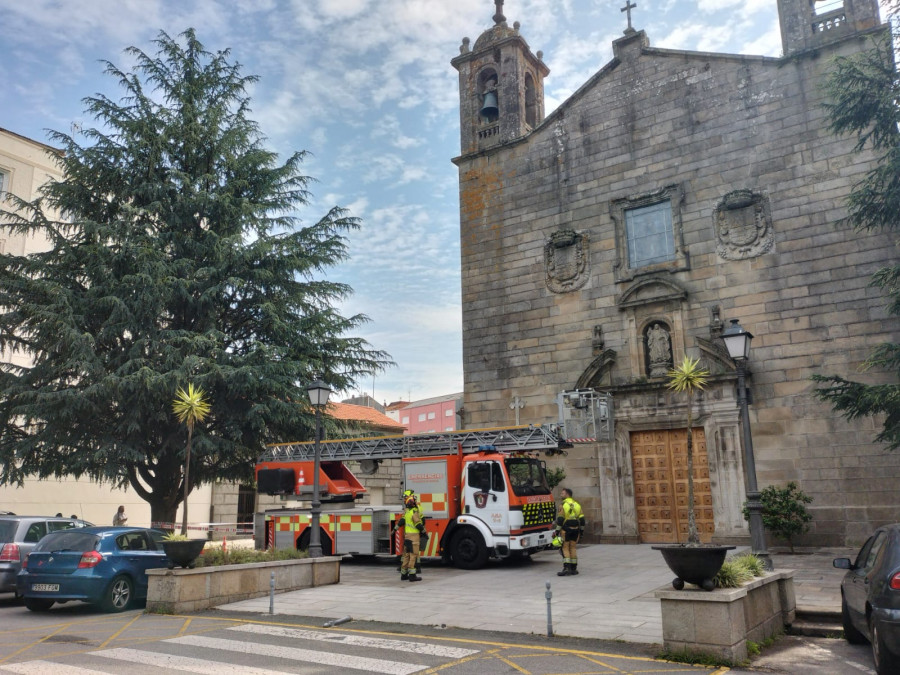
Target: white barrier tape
207	527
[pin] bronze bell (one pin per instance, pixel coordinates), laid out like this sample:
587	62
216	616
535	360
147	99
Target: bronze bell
489	108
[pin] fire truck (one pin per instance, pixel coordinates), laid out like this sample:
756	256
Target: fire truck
484	493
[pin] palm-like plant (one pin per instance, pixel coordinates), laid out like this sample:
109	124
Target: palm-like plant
189	407
689	377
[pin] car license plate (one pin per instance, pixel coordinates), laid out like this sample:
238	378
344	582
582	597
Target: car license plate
46	588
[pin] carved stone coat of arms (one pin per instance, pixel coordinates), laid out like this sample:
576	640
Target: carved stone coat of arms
743	225
567	261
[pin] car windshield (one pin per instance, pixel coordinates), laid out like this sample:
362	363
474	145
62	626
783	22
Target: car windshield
527	476
7	531
68	540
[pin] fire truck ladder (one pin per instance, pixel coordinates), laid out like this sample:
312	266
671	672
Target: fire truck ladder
526	438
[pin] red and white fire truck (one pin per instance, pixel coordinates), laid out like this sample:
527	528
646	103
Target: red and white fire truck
484	492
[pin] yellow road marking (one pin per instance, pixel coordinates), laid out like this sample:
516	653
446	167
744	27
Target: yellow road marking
36	642
188	626
119	632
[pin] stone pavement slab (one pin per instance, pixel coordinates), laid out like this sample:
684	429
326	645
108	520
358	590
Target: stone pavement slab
611	598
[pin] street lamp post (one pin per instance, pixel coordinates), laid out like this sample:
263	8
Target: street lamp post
318	398
737	341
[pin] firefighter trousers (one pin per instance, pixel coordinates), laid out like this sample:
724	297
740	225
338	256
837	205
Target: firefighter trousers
410	553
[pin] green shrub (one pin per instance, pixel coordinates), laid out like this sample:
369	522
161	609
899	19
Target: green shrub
174	536
555	476
754	565
732	575
784	513
739	570
237	556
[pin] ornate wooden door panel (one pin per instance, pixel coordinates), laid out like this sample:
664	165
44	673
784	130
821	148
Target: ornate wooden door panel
659	459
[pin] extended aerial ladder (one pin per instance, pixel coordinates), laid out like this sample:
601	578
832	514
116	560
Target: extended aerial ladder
524	438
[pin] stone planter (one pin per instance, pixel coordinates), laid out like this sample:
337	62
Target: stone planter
721	621
177	591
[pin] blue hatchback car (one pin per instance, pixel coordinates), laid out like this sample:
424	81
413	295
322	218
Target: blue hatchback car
103	565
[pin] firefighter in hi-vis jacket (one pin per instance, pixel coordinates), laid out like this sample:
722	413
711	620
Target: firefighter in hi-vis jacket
571	522
413	533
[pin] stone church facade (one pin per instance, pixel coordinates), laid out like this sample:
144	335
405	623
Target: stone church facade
673	192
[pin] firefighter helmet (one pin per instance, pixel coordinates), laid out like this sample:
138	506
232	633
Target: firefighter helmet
557	542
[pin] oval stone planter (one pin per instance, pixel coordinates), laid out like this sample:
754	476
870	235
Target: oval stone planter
694	564
183	553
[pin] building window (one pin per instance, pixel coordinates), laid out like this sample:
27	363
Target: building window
648	233
431	415
405	420
4	184
421	417
448	412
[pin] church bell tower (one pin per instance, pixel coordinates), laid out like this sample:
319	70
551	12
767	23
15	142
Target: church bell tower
501	87
807	24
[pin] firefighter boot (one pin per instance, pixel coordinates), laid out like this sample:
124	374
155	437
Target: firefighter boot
574	568
404	576
566	570
413	577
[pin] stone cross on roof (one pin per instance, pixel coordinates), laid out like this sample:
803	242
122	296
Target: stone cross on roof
627	8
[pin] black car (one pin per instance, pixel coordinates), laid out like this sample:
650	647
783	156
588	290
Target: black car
870	597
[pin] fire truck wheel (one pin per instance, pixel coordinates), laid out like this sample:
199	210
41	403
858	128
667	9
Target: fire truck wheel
468	550
303	542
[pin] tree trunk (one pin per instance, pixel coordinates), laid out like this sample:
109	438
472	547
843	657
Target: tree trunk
693	535
187	483
163	508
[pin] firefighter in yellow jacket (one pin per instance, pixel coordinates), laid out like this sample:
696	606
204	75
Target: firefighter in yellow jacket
413	529
570	522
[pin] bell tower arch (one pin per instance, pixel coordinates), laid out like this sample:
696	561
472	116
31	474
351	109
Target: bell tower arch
501	86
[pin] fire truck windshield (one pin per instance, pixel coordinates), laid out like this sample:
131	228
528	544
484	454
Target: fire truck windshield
527	476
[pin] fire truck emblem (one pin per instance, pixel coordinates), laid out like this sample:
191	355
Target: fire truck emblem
481	499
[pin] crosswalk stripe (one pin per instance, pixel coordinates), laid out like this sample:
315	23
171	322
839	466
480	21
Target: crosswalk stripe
357	640
295	654
173	662
43	667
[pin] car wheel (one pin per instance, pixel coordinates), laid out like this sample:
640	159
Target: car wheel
119	594
886	662
851	635
467	549
38	604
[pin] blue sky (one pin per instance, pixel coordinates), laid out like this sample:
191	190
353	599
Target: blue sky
366	86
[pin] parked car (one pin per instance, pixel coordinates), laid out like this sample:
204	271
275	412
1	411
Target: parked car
870	597
102	565
19	535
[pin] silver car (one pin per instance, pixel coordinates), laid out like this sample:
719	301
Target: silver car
18	535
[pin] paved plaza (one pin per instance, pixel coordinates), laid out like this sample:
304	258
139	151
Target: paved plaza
611	598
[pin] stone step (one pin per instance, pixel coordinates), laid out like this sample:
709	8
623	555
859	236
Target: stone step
817	622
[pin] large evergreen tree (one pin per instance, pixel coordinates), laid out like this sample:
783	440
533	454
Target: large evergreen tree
178	259
864	92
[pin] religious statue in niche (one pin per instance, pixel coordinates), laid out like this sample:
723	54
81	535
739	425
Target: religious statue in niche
659	350
743	225
566	261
